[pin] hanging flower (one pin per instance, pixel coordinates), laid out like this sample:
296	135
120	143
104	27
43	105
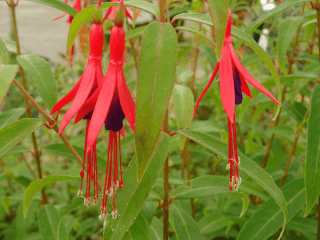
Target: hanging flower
109	105
77	6
233	77
89	81
112	10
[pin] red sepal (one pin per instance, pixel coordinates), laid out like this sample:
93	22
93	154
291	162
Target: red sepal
67	98
123	133
127	104
82	95
227	83
215	71
247	75
244	87
102	106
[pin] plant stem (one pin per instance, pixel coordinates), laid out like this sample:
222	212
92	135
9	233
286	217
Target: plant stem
291	62
135	57
165	204
312	40
294	147
318	23
28	111
50	121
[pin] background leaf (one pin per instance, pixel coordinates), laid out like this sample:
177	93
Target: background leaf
48	220
37	185
287	30
183	224
312	176
40	75
247	165
139	230
15	132
4	54
7	75
267	219
58	5
157	65
10	116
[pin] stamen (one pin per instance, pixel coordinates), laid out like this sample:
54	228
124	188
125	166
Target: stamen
114	214
80	193
228	167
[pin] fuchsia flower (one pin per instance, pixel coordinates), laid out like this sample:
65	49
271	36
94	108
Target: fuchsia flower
109	105
112	10
76	5
233	83
86	85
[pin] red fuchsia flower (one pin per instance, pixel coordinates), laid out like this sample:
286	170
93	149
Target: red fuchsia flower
89	81
109	105
112	10
233	83
76	5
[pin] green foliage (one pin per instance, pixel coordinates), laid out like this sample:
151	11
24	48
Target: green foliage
202	206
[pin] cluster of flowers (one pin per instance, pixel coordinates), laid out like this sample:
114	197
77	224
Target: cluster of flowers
107	100
102	100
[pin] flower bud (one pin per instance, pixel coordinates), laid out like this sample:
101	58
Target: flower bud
119	15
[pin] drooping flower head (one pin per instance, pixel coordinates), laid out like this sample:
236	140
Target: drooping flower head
233	82
89	81
109	105
112	10
77	6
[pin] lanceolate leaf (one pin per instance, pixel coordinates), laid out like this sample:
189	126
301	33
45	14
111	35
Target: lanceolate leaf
157	65
312	175
139	230
7	75
48	220
247	165
280	7
287	30
37	185
10	116
213	222
41	76
268	218
195	17
156	229
183	224
212	185
4	54
132	196
15	132
189	29
135	33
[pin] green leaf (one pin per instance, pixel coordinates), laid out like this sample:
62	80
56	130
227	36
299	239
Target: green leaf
10	116
58	5
77	202
195	17
296	110
219	11
210	55
139	230
135	33
192	30
131	197
248	166
267	219
4	54
211	185
154	86
48	220
6	203
37	185
278	9
264	57
7	75
287	30
183	224
15	132
40	74
184	105
156	229
22	224
312	176
213	222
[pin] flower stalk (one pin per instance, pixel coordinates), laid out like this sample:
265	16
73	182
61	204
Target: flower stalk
27	105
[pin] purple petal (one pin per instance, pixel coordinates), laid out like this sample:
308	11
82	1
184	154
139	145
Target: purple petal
237	87
114	119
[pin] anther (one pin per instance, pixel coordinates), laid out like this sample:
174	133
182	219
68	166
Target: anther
80	193
114	214
228	167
